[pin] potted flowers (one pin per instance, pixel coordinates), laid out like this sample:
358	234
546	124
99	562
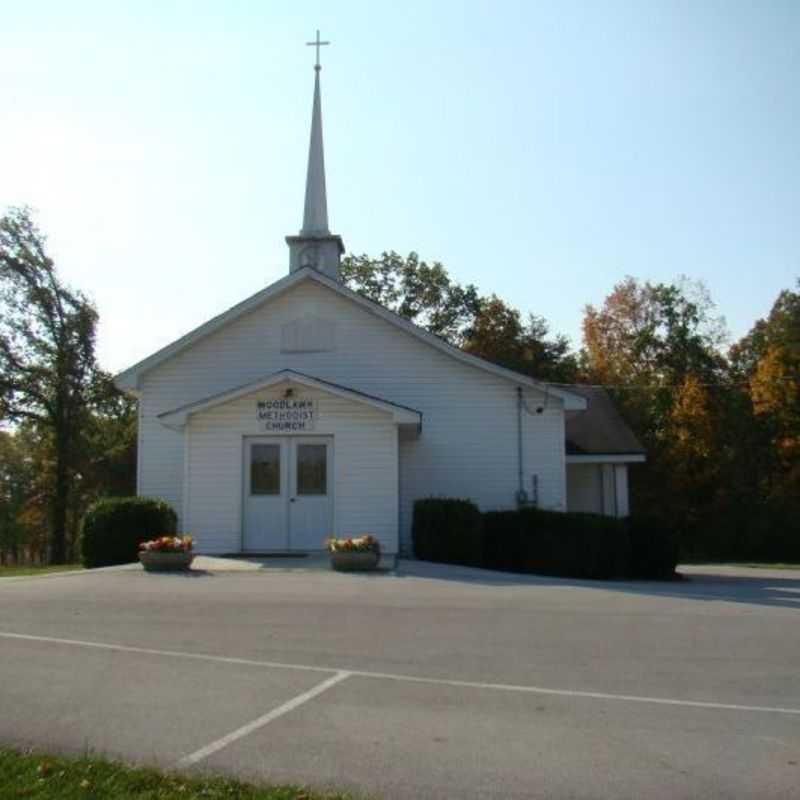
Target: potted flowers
166	553
359	553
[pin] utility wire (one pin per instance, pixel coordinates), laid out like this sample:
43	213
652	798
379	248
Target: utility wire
660	386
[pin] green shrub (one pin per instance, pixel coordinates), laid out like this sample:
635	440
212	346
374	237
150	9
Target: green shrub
775	531
574	545
654	546
504	541
448	530
556	543
747	530
113	528
532	540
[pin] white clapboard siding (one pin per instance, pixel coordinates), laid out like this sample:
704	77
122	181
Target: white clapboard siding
599	488
364	469
468	446
585	488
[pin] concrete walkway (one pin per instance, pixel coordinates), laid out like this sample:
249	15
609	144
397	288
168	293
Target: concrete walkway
314	562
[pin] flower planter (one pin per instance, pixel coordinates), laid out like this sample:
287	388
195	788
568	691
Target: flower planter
354	561
153	561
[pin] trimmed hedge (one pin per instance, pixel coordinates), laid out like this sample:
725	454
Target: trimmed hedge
655	547
448	530
751	530
555	543
113	528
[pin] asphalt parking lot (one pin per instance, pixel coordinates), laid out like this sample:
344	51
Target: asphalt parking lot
432	682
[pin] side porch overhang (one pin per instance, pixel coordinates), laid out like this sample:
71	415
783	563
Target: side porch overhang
606	458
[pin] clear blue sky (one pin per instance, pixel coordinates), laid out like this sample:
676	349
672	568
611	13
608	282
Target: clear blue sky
540	150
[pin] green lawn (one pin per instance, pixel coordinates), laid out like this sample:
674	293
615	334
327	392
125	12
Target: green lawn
705	562
50	778
12	572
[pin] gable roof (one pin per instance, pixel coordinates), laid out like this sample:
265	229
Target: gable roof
403	415
600	430
129	379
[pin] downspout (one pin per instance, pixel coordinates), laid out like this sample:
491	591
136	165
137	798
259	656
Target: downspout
522	496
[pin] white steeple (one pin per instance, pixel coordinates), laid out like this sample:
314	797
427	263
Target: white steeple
315	246
315	216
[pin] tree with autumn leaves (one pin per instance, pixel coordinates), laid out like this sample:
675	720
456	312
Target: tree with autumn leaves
721	427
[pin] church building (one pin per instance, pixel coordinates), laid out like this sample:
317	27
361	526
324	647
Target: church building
308	410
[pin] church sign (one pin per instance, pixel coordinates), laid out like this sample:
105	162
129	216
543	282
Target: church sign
287	415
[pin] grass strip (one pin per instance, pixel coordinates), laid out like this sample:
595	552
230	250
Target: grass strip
16	571
40	776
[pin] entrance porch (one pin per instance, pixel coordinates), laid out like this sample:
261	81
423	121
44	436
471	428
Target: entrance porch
280	465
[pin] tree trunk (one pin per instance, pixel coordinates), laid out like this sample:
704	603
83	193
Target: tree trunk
58	533
58	541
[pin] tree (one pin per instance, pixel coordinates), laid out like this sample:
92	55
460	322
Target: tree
691	445
47	356
422	293
108	462
15	480
658	346
774	359
498	334
653	334
484	326
770	354
647	339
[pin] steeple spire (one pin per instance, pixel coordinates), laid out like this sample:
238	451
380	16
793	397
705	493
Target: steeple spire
316	247
315	216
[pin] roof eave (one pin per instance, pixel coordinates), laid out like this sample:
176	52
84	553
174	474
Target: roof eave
178	417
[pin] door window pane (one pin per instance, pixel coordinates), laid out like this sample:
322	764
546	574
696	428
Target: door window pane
312	469
265	469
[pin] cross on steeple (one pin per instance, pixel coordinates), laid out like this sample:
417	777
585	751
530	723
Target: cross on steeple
317	43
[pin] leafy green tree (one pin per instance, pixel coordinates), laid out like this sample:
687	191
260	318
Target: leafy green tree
47	357
499	334
15	481
422	293
25	469
108	464
484	326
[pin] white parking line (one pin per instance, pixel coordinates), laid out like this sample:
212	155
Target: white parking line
504	687
263	720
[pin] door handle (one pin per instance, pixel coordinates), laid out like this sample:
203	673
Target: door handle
292	499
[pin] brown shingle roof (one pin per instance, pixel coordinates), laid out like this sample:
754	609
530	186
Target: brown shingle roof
600	430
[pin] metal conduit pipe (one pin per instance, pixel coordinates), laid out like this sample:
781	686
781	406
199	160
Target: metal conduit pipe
522	495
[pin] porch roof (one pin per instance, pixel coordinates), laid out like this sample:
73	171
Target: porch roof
402	415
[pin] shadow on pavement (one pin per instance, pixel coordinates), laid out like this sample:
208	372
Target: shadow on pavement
185	574
695	583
